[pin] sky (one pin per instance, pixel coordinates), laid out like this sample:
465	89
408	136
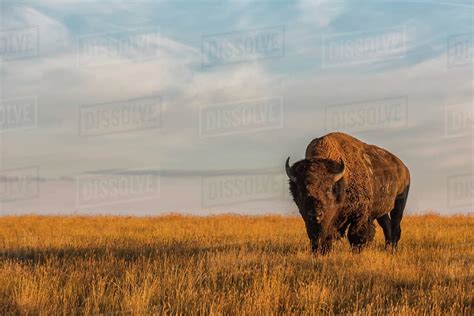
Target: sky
154	107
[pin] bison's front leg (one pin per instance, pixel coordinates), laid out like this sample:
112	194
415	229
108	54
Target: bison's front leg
325	246
385	223
320	242
313	234
321	246
361	232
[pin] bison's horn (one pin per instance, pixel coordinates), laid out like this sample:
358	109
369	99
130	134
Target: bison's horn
338	176
288	170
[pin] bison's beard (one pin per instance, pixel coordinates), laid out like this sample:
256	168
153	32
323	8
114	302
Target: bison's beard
320	241
321	237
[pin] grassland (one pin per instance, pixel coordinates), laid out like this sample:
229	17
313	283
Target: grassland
228	264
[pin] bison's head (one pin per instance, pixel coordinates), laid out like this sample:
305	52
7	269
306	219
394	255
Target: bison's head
317	186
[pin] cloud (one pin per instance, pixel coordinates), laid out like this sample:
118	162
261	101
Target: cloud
320	12
63	85
52	35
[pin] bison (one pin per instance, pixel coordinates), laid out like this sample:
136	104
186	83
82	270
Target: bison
345	183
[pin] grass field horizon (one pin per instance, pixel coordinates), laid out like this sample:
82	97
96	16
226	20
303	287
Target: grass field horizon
228	264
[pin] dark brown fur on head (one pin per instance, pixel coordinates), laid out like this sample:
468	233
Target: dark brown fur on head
317	187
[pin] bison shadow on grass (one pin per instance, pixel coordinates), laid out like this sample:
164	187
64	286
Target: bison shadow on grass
134	252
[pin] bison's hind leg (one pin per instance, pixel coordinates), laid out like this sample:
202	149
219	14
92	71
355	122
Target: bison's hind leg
360	234
385	222
396	216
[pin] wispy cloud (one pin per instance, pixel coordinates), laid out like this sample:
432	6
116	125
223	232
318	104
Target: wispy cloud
298	77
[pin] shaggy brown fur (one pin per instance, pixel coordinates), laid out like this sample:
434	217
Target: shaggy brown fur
372	184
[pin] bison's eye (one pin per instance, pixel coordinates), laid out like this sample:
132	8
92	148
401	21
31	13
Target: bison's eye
317	204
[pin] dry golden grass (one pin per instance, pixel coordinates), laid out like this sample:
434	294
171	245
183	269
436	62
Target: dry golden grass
230	265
